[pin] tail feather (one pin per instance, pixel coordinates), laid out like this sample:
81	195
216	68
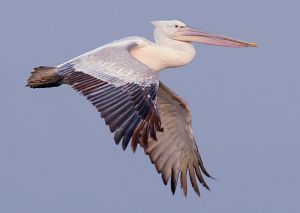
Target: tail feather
44	76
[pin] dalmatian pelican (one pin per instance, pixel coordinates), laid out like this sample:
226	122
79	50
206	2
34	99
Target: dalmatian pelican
121	79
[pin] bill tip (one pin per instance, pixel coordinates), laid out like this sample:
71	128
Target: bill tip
252	44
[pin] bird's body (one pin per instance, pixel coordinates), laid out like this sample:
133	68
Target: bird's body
121	80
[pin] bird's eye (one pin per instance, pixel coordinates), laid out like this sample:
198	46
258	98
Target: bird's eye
176	26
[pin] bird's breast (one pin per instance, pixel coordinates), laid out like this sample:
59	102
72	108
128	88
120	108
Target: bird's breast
159	57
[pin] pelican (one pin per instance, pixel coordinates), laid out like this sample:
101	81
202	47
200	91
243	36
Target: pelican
121	79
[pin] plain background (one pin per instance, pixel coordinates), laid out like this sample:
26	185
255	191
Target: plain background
56	154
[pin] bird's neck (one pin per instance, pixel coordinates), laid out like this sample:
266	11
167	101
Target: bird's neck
164	54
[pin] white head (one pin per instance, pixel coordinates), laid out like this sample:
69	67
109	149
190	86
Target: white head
177	30
164	30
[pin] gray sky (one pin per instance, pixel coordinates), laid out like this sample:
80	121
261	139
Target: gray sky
56	154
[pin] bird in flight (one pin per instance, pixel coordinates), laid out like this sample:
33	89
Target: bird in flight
121	79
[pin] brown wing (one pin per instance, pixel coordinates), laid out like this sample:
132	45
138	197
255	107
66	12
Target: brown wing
175	153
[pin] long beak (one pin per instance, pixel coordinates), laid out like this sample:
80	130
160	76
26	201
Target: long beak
190	35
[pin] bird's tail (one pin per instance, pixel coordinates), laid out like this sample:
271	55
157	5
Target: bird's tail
43	76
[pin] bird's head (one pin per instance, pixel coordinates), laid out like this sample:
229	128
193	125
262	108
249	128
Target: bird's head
177	30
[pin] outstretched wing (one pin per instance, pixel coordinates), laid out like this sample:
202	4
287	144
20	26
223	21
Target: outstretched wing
121	88
175	153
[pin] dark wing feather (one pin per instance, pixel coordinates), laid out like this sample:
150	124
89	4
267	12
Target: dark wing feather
175	153
122	107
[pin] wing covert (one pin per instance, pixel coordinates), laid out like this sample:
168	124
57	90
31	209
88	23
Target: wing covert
122	88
